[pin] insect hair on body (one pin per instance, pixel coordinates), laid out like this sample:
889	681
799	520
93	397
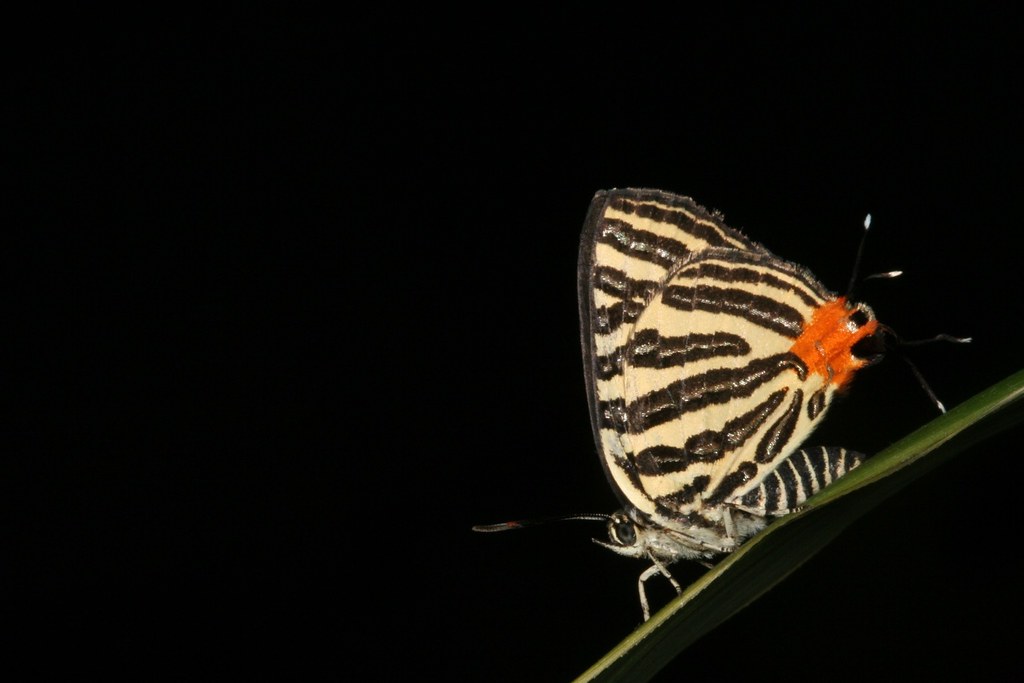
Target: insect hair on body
708	361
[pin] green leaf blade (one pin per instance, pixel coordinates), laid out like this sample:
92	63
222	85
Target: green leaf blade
788	543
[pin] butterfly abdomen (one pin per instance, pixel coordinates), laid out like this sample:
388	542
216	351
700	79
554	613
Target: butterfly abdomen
798	478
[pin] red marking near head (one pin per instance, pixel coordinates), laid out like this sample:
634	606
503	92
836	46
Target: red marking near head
827	340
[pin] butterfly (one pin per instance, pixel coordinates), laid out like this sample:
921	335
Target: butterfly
708	362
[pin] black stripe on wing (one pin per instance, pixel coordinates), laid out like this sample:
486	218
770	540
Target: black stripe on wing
709	445
641	244
641	202
649	349
755	272
757	309
713	387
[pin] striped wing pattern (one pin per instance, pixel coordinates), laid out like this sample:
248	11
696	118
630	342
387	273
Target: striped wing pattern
708	361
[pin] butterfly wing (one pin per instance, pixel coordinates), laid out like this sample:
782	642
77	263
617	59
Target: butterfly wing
632	240
706	357
714	395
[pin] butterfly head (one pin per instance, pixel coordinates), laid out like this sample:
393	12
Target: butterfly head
629	537
625	536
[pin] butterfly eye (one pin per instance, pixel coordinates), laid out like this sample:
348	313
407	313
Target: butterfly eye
859	317
622	531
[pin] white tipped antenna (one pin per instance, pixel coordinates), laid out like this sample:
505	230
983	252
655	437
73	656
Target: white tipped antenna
860	253
885	276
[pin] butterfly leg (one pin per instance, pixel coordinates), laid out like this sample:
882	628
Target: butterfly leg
656	568
730	526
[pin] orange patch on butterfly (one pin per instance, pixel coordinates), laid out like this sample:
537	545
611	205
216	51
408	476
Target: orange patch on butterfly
826	342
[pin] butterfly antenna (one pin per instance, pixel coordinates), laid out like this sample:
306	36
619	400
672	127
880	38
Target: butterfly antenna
857	261
519	524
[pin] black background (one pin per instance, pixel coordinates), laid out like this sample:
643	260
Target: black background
293	306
